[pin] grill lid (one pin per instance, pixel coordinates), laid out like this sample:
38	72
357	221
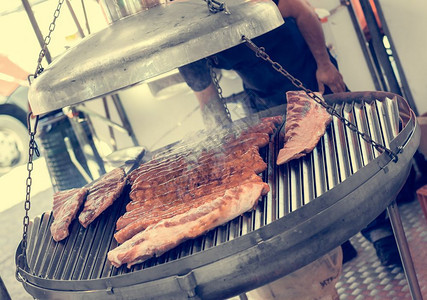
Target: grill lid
147	44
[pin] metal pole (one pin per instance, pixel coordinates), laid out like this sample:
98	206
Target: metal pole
76	21
362	40
405	254
4	294
380	51
86	19
36	29
404	82
243	297
110	129
90	113
123	116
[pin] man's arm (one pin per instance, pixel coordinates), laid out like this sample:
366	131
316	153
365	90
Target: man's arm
212	107
197	75
311	29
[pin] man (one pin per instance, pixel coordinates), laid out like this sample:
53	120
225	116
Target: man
298	45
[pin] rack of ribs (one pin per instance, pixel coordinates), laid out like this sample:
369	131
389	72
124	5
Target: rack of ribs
102	194
168	233
66	204
178	195
94	198
306	123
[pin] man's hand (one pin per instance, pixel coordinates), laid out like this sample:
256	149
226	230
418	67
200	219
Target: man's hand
311	29
330	76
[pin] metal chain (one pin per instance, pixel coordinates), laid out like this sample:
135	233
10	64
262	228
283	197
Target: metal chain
27	205
39	68
260	52
216	6
33	148
215	80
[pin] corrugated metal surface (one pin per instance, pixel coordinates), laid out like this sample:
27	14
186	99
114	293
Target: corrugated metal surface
364	278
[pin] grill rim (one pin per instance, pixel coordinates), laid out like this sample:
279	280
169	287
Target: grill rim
257	237
328	200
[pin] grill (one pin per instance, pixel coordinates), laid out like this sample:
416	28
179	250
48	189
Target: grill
315	204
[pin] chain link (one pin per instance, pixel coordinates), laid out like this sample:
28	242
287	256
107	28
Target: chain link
218	88
260	52
33	149
216	6
46	42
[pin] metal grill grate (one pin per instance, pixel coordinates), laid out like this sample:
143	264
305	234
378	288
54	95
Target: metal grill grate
339	155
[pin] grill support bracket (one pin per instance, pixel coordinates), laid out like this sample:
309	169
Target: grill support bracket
188	284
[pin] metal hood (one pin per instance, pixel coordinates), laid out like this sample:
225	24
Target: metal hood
146	44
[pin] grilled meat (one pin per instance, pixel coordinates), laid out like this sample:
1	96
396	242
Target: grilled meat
306	123
168	233
102	194
66	204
